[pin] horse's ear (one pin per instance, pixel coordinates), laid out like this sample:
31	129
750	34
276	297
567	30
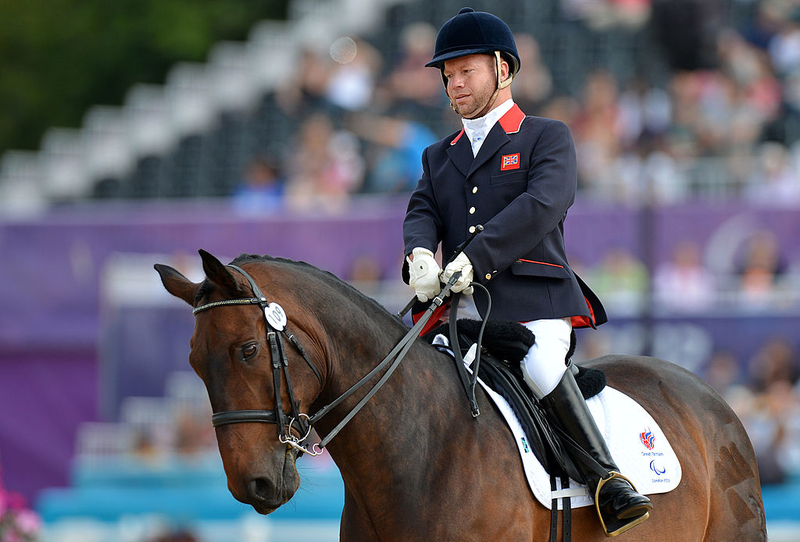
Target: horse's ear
218	273
177	284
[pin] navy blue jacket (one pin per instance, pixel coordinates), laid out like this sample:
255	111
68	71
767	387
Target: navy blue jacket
519	188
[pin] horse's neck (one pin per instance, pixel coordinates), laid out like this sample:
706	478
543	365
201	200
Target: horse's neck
414	437
413	406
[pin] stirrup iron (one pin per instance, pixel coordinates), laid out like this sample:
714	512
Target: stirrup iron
619	526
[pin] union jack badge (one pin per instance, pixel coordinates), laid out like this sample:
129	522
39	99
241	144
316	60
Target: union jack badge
509	161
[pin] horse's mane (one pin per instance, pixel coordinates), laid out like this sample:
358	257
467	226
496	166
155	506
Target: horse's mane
326	276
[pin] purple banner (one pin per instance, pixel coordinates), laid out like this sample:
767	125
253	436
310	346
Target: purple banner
43	399
51	267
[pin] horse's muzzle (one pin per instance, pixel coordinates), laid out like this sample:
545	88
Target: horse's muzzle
266	493
264	496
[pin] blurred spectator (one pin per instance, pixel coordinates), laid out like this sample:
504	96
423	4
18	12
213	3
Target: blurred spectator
684	283
684	92
631	14
687	31
765	23
765	424
776	362
533	85
785	126
755	93
352	79
621	281
306	86
721	117
193	434
760	271
597	130
145	447
326	167
605	14
366	273
775	181
181	535
563	108
664	180
723	372
783	44
409	82
645	112
262	189
395	145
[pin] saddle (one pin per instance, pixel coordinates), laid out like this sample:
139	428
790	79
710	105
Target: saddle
503	346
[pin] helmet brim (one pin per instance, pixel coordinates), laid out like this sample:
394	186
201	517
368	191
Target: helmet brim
439	60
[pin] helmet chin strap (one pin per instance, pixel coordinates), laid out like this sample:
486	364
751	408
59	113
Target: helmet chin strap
499	86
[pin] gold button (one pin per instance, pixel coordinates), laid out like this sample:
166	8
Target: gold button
488	276
472	210
474	189
472	229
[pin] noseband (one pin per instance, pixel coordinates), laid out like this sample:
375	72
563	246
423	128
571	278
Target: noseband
275	320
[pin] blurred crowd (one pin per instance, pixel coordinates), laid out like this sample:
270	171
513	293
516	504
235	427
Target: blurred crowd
766	397
722	126
756	276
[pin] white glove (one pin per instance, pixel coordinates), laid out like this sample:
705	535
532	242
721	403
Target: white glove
461	263
423	274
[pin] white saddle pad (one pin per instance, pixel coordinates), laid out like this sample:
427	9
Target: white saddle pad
637	444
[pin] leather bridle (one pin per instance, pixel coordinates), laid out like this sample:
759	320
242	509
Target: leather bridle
275	319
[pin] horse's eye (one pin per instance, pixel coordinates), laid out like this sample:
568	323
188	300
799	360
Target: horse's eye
249	350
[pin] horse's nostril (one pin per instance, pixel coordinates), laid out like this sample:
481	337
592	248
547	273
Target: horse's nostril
260	489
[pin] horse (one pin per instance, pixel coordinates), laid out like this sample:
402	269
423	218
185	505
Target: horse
416	465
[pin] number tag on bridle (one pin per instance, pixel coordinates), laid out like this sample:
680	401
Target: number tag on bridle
275	315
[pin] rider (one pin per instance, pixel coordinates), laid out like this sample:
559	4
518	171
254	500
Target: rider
515	175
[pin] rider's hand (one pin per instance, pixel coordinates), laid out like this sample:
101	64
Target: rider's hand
423	272
461	263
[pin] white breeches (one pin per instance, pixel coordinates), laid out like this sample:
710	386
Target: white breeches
544	364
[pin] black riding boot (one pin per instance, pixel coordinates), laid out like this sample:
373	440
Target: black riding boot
619	505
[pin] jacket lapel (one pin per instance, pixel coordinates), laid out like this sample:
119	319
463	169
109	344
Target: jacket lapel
460	152
494	141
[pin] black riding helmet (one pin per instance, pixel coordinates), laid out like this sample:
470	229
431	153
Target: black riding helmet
475	32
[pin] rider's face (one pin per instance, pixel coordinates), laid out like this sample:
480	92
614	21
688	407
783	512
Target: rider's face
471	81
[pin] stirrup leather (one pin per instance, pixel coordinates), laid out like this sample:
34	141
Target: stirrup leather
616	529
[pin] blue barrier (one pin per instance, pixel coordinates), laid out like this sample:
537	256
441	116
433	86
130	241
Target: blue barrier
182	493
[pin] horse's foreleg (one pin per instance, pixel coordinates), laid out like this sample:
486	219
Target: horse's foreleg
356	525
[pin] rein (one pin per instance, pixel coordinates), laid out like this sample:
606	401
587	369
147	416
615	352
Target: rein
275	319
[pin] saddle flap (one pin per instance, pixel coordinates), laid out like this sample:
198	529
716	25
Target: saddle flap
504	344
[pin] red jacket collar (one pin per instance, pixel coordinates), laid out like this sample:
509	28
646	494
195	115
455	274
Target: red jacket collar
511	122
